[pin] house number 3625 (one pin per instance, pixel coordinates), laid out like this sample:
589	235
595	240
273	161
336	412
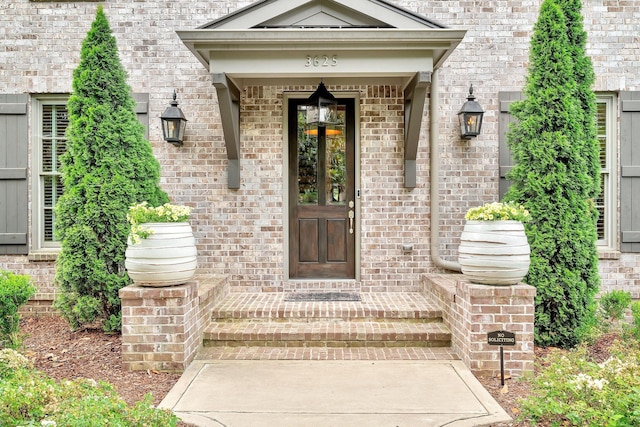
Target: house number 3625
321	61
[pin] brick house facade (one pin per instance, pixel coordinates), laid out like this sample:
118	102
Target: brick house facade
242	232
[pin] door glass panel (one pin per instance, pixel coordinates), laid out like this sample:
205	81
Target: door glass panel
336	164
307	161
322	161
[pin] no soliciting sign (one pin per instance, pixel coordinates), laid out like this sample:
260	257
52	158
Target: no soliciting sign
501	338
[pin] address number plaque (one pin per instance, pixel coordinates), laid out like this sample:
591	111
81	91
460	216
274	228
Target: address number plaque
317	61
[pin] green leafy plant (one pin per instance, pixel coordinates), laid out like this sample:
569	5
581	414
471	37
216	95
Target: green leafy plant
555	175
498	212
15	290
635	324
571	390
613	304
108	167
144	213
30	398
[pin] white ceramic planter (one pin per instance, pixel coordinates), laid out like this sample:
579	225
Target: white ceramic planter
494	252
167	257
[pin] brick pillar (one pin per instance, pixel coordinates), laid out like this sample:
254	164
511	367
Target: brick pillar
162	327
471	311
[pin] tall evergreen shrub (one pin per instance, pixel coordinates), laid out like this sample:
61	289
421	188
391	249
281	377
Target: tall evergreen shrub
554	177
108	166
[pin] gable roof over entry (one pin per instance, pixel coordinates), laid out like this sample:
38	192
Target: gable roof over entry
303	41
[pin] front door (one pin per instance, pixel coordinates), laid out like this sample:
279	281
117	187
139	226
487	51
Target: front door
322	210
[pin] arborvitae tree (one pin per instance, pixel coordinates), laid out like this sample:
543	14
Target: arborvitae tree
554	178
585	78
108	166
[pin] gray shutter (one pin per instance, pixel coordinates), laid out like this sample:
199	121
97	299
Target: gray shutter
630	171
14	145
506	162
142	110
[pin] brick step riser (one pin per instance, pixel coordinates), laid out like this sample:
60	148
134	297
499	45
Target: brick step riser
328	343
413	317
324	319
326	336
331	333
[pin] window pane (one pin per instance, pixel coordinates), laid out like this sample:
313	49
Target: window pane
47	155
47	121
602	132
48	225
62	120
61	147
603	202
54	124
600	206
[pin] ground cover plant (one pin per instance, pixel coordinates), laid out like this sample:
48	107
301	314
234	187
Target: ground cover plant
30	398
581	388
108	167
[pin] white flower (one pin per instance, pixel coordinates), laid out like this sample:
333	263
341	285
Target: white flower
583	380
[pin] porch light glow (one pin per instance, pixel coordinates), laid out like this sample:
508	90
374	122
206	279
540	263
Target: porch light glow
322	107
173	123
329	132
470	116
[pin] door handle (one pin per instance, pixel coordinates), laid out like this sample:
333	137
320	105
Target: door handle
351	216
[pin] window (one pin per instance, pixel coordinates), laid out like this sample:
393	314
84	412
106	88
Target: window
50	126
606	202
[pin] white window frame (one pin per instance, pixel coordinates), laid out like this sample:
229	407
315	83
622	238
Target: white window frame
37	197
609	175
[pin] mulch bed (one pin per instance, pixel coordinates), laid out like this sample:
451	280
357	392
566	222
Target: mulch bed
90	353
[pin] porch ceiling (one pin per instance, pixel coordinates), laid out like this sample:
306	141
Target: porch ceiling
275	42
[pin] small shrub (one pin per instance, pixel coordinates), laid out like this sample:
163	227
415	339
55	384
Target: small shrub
15	290
11	361
30	398
635	325
613	304
573	391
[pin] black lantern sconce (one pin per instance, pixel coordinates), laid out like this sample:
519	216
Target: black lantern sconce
173	123
322	107
470	116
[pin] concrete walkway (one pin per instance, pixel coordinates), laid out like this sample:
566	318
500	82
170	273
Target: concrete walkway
341	393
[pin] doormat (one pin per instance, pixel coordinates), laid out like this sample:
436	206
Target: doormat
322	296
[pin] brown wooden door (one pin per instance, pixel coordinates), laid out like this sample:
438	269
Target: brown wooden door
322	210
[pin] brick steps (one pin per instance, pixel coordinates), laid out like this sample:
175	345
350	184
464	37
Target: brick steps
327	334
407	307
379	320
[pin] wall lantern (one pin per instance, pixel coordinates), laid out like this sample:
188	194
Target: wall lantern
322	107
470	116
173	123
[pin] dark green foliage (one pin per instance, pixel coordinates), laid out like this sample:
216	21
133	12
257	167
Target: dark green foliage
108	167
585	78
15	290
554	178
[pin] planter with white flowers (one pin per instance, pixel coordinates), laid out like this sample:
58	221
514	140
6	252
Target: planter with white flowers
161	249
493	246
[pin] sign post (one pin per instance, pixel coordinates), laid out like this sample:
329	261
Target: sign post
501	338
